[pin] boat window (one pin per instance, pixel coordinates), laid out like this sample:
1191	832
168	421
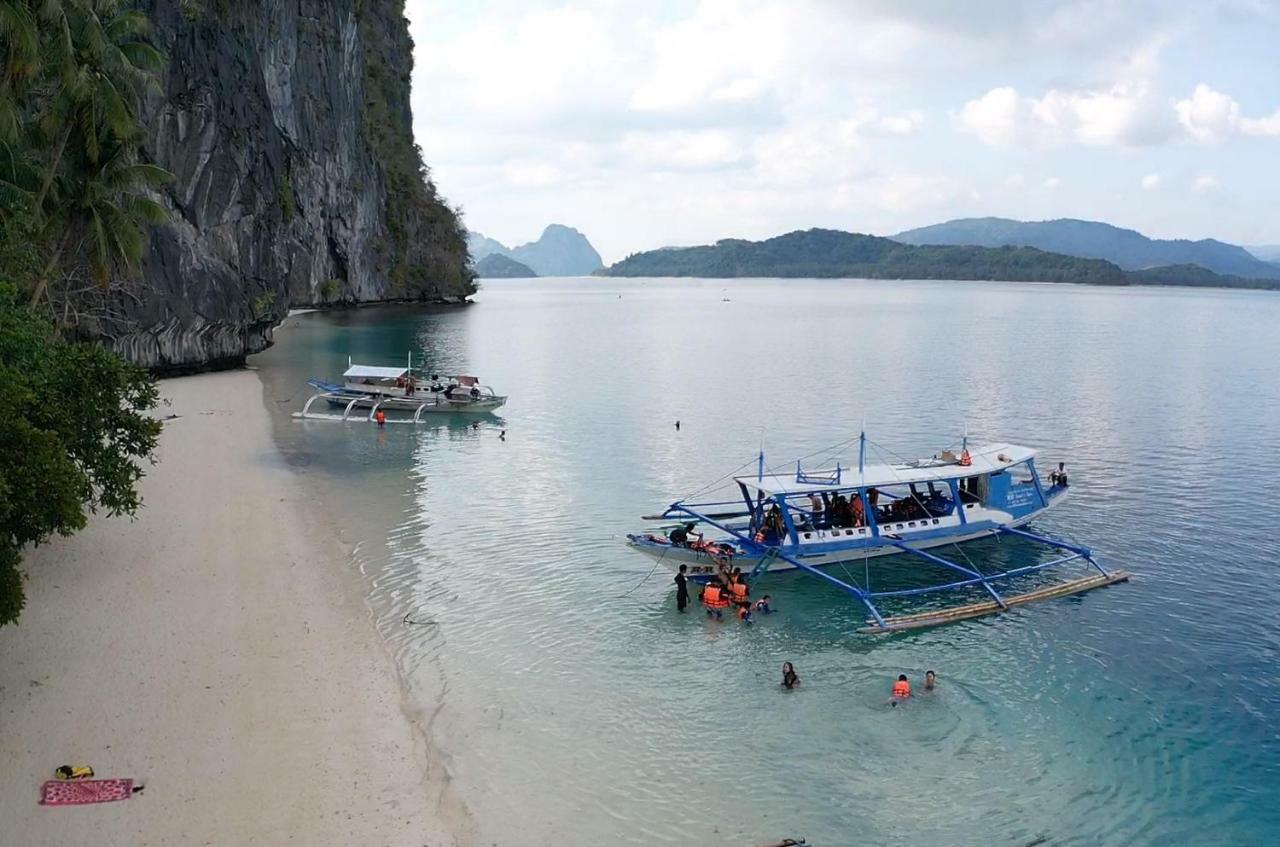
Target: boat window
913	502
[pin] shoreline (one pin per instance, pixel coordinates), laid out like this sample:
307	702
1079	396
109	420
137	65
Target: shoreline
219	648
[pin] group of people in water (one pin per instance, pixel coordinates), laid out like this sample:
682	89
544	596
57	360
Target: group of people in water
901	687
728	589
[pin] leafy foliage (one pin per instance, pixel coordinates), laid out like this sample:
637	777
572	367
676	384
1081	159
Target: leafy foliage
73	436
71	177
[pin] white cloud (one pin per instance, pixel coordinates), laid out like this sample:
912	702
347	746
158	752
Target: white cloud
681	150
1151	182
1208	116
1205	182
531	174
1053	182
1268	126
1125	114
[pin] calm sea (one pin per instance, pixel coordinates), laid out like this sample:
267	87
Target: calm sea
576	707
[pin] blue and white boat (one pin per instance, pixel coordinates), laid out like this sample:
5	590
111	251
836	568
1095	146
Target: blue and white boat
373	388
810	521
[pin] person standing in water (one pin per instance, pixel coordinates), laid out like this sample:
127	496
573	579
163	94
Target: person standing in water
682	589
789	678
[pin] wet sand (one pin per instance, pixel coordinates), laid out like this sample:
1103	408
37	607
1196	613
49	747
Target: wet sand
219	648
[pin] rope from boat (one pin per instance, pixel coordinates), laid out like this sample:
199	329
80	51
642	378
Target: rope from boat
646	576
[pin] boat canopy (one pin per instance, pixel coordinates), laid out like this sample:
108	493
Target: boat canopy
369	372
986	459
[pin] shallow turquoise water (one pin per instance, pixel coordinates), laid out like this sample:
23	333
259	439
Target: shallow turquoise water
577	707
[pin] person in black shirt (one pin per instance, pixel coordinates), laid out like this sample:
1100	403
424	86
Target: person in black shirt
789	677
680	535
682	588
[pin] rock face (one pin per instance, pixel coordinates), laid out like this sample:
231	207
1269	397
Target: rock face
286	125
560	251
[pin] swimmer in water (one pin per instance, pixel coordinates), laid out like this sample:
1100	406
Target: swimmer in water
789	677
744	613
762	605
901	690
930	680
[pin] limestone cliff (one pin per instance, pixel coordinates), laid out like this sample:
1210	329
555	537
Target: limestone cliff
286	124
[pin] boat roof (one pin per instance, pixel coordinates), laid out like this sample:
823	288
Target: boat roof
370	372
986	459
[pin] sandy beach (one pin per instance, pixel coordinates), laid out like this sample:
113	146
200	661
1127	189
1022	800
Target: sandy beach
218	648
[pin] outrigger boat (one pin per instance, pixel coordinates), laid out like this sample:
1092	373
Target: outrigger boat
398	389
810	521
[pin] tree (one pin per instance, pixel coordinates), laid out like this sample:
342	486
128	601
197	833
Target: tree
74	436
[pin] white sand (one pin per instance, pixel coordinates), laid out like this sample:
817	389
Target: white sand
220	648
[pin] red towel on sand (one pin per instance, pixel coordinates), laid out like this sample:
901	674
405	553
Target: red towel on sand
74	792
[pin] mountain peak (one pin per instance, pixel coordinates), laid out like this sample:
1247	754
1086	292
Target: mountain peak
560	251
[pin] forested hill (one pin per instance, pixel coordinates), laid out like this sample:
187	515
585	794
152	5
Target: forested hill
1130	250
826	253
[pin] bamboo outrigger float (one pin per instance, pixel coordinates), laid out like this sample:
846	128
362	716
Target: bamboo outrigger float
810	521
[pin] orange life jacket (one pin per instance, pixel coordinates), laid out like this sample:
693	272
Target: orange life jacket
380	417
902	688
965	460
713	598
739	590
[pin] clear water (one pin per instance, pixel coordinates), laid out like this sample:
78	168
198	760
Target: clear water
577	707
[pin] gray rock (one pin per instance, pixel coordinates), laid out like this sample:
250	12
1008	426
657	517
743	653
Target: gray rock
279	198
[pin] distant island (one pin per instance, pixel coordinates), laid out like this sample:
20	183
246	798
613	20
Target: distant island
1126	248
827	253
498	266
559	251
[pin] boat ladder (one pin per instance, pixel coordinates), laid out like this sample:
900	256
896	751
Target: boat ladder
763	565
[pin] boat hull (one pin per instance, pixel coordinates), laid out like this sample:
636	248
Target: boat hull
824	549
429	403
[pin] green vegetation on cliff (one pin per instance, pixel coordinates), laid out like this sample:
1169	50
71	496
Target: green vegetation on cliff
825	253
425	248
74	207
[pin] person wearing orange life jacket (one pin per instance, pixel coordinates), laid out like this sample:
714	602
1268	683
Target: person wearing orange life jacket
901	689
738	590
381	417
965	459
744	613
715	601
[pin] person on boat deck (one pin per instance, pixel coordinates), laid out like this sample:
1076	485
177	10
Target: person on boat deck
857	510
1059	477
838	514
930	680
410	387
762	605
680	535
901	689
815	509
682	588
774	525
873	498
789	677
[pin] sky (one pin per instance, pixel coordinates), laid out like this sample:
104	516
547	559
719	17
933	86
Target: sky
650	124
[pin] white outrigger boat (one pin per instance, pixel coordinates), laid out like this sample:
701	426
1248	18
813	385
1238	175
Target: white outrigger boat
810	521
371	389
